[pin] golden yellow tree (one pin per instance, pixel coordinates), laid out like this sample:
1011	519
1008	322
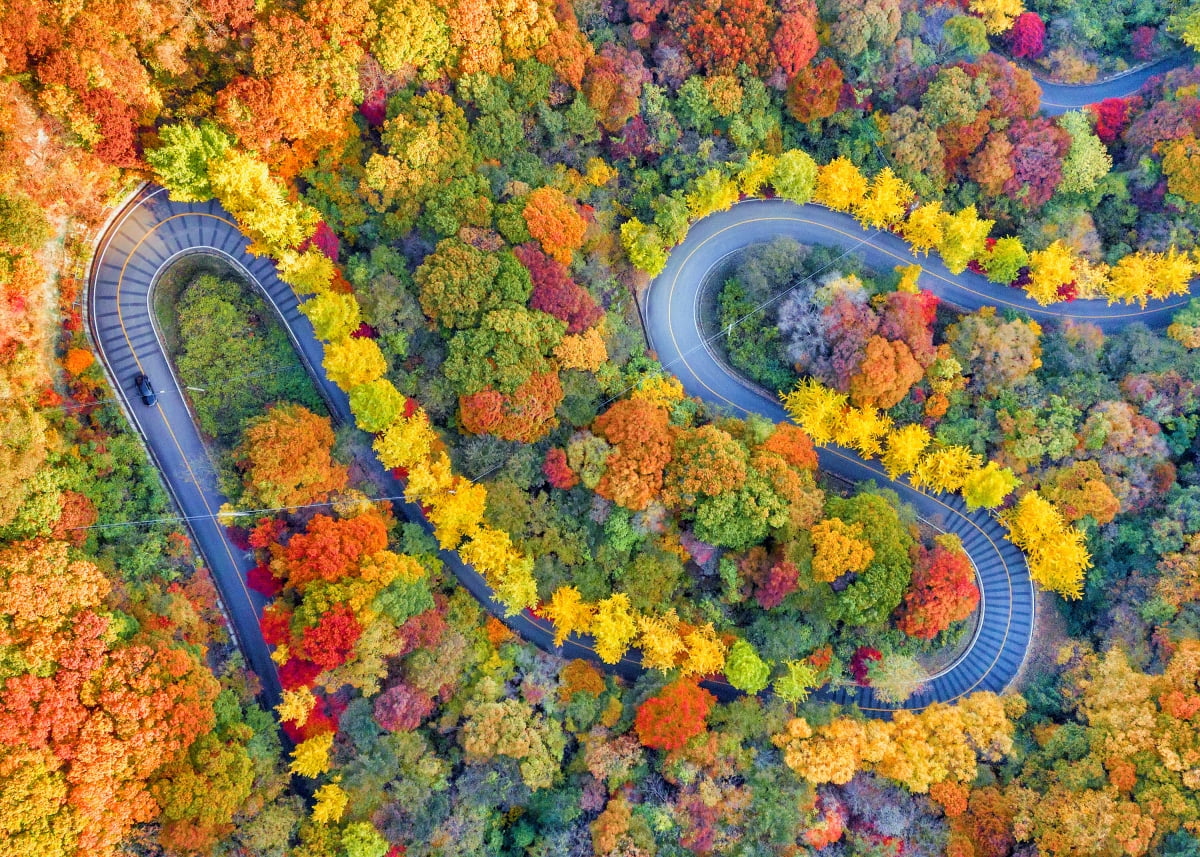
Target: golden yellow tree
406	441
839	548
986	487
569	613
660	642
583	351
1143	275
924	227
516	589
334	315
246	189
705	651
997	15
660	389
886	201
863	430
834	755
428	478
964	237
489	551
918	750
1173	275
945	468
331	803
457	511
710	192
756	172
307	273
816	408
903	447
840	185
614	627
1049	271
296	705
352	361
1058	557
311	757
506	569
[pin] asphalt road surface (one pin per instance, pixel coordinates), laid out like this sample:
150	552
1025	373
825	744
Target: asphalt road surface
151	232
1061	97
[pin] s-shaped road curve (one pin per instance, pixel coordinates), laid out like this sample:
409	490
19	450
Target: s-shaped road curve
151	232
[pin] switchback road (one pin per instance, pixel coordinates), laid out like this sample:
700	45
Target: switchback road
150	233
1061	97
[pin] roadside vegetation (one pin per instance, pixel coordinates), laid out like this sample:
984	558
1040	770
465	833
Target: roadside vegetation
235	358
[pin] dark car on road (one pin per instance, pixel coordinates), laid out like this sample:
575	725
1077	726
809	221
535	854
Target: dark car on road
145	390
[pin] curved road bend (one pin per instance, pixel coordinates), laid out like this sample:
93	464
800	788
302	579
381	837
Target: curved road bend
672	307
148	235
151	232
1061	97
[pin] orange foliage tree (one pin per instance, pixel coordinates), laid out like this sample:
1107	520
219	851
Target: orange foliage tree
640	431
707	461
840	548
943	591
526	415
793	445
886	374
87	718
718	36
331	548
285	459
555	222
675	716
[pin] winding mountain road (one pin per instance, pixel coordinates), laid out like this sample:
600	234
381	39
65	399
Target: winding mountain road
146	237
151	232
1061	97
672	309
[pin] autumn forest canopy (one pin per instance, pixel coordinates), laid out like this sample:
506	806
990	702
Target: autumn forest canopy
471	200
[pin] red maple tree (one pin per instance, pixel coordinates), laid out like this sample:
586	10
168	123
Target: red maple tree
675	716
943	591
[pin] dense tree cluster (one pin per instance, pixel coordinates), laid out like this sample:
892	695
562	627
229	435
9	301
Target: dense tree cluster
468	194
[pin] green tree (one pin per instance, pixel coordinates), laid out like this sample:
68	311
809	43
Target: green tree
644	246
967	35
376	404
459	283
1088	159
503	352
234	350
1003	263
795	176
181	159
879	589
964	237
745	669
743	517
361	839
954	97
1185	23
334	315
